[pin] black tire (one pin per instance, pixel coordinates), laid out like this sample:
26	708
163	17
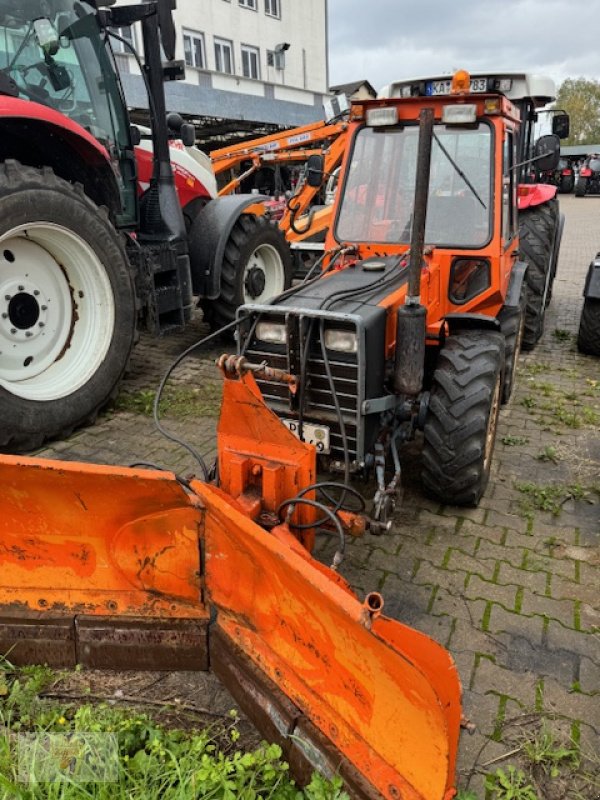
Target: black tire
537	236
254	245
580	187
512	324
460	427
566	184
588	337
73	316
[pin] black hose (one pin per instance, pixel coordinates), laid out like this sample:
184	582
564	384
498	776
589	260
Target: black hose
155	410
337	559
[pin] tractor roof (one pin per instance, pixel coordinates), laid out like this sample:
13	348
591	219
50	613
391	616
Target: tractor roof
514	85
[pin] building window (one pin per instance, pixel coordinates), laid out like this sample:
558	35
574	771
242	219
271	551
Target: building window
272	8
223	56
250	62
126	33
248	4
193	49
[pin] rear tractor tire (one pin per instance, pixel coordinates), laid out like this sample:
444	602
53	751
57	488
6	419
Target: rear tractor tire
512	325
257	266
580	187
538	232
67	307
461	422
588	337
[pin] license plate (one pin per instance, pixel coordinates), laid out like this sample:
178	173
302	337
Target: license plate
433	88
311	434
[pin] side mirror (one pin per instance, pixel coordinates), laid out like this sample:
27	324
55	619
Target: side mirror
547	152
314	171
188	134
46	36
561	125
135	134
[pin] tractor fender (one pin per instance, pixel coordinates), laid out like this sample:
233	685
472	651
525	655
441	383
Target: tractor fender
471	322
209	234
28	129
517	276
535	194
591	288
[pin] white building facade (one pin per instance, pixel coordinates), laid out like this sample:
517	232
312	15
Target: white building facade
253	60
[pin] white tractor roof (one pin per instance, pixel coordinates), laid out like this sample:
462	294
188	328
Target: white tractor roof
522	85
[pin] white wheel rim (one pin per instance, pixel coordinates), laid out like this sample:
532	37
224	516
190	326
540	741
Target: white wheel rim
264	275
57	313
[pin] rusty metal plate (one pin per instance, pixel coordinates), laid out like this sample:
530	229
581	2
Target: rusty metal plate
38	639
159	644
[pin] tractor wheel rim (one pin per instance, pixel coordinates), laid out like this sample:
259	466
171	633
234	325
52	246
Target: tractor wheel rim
266	260
57	313
492	424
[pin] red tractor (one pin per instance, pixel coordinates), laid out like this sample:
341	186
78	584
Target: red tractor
85	255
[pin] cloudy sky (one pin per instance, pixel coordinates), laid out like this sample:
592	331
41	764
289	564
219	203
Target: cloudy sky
383	40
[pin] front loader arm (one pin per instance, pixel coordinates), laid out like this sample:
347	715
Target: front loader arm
123	568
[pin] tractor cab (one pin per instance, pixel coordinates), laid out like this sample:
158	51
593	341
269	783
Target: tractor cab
57	55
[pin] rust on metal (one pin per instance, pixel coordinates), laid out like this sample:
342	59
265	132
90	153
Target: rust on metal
238	366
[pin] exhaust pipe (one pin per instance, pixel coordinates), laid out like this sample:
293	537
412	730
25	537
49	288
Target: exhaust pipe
411	318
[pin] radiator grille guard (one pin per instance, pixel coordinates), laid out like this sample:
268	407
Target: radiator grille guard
302	327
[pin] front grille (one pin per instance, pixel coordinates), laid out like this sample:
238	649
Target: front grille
319	406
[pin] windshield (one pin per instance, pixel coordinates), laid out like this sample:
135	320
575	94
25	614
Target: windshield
54	53
378	198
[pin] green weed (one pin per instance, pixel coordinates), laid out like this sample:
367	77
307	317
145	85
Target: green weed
548	498
510	784
549	453
561	335
542	750
150	762
514	441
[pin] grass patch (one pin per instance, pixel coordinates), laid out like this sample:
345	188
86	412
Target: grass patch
177	401
548	498
148	760
549	453
514	441
510	784
561	335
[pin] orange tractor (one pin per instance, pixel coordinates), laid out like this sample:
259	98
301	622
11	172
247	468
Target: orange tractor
440	265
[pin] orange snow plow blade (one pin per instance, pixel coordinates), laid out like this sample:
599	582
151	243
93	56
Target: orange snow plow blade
121	568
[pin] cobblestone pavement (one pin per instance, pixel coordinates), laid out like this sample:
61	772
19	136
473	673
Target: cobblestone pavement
510	588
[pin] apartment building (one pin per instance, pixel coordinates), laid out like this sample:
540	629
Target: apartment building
249	63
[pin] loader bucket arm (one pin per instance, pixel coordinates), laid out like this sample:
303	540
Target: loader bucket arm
124	568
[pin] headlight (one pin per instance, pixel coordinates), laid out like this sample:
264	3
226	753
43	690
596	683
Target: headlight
341	341
382	115
271	332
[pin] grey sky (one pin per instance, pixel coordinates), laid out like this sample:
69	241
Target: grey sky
383	40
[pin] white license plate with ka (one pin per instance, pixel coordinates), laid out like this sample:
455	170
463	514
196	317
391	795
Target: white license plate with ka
311	434
478	85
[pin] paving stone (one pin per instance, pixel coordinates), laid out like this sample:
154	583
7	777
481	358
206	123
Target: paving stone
559	700
502	621
468	639
589	676
584	644
535	581
559	588
561	610
479	531
504	594
466	563
453	580
497	552
589	618
492	679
